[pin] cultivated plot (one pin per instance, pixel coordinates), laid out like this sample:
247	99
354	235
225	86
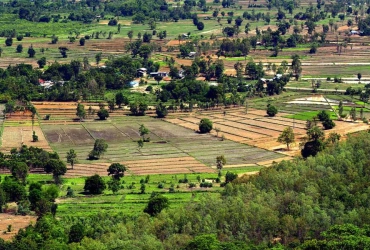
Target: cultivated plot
172	149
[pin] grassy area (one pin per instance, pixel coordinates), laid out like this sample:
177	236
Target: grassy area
309	115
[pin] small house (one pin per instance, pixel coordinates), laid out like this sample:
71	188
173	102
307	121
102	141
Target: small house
142	72
354	32
192	54
185	36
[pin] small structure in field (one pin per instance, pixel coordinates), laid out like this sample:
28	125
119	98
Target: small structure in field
162	74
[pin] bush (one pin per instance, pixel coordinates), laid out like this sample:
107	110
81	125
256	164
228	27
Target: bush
200	26
323	115
82	41
205	126
149	88
112	22
103	114
328	124
9	41
271	110
206	185
19	38
161	185
192	185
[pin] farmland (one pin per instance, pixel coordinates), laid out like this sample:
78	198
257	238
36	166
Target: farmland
172	149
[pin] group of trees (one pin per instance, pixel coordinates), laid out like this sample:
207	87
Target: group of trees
13	188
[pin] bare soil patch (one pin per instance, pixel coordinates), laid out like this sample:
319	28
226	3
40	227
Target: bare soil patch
15	137
17	222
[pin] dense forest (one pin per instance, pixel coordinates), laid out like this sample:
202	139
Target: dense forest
318	203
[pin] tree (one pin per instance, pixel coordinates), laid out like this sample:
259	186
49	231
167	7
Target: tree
57	168
204	242
63	51
13	189
158	78
230	176
114	185
161	110
117	170
9	41
143	131
156	204
333	138
103	114
76	233
220	162
353	114
41	62
19	171
328	124
287	137
142	188
35	138
340	108
111	105
100	147
19	48
94	184
81	112
200	26
140	144
130	34
1	51
31	52
98	58
359	76
271	110
121	99
71	157
205	126
296	66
